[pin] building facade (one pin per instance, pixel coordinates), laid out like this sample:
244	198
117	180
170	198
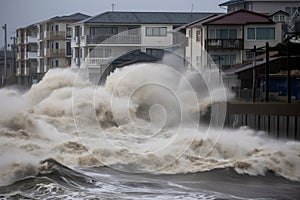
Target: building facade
7	76
228	39
43	46
291	7
102	38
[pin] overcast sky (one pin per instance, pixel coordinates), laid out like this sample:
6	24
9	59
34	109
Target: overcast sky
20	13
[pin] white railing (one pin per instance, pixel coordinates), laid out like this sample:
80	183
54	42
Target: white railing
98	61
31	55
32	39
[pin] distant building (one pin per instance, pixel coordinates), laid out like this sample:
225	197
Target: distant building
98	40
44	45
10	70
291	7
229	38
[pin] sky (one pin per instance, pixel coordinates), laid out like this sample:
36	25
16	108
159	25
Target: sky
20	13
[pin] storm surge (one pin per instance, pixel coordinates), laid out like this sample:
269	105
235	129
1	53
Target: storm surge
146	118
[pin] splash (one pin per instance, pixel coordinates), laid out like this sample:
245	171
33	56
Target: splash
145	118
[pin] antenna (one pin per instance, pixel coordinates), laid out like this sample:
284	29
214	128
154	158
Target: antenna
192	8
112	7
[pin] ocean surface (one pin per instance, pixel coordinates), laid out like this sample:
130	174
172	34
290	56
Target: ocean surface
143	135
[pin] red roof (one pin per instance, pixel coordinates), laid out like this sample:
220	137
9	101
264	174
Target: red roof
240	17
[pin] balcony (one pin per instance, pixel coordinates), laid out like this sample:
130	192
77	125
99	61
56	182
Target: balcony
21	40
21	55
22	71
32	55
94	62
114	39
31	39
55	35
224	44
57	53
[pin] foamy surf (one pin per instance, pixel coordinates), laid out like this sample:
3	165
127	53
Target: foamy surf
140	121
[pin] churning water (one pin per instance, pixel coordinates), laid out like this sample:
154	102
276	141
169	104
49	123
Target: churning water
140	136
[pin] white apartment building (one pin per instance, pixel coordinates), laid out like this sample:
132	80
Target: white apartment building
100	39
42	46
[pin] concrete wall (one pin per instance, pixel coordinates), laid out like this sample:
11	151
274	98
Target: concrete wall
156	41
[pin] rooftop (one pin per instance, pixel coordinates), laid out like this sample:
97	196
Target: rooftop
146	17
240	17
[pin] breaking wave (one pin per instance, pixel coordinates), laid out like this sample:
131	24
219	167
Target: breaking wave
145	119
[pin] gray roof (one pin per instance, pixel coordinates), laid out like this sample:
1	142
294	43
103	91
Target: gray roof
230	2
73	17
145	18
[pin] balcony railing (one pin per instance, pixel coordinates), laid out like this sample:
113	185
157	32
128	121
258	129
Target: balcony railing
32	55
55	35
98	61
114	39
224	44
22	71
31	39
56	53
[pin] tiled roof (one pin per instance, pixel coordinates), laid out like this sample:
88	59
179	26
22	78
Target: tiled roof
146	17
230	2
240	17
73	17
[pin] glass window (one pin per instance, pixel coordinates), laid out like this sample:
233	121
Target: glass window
156	31
149	31
251	33
232	33
265	33
212	34
163	31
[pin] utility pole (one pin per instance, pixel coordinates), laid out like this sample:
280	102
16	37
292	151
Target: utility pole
5	54
267	85
113	7
254	76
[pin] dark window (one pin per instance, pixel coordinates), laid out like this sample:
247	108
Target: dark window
156	31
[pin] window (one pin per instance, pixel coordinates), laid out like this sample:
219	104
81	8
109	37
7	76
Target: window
156	31
251	34
100	53
261	33
104	31
56	27
198	35
222	34
292	10
56	45
56	63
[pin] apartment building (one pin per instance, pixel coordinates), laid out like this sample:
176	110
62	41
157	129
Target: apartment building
44	45
100	39
228	39
7	75
291	7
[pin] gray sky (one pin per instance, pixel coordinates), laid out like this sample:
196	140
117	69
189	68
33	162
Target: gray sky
20	13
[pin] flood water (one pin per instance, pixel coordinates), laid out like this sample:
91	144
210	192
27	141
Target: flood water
136	137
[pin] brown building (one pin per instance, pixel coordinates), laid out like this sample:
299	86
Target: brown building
42	46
